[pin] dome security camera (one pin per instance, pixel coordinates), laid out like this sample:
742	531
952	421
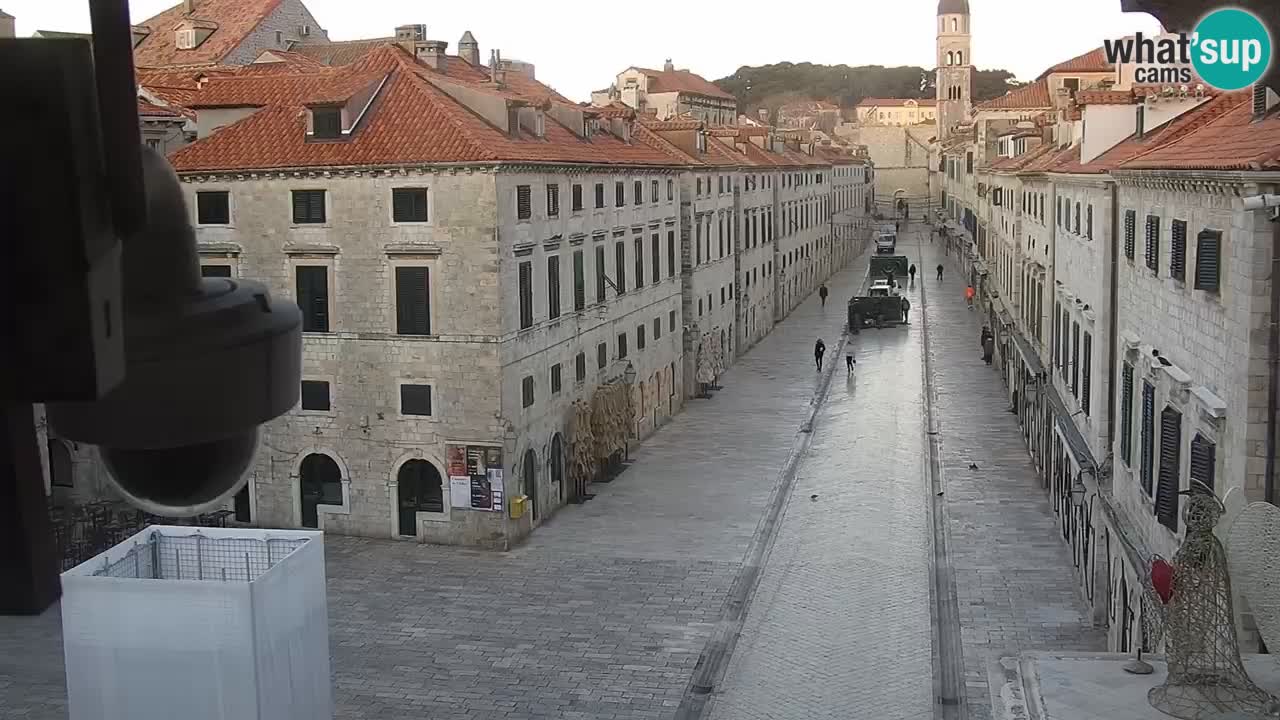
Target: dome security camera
208	360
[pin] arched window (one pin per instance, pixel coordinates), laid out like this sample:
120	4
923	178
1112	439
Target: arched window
950	58
955	25
319	483
419	488
959	57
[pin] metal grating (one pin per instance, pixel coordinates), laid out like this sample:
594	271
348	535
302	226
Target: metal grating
200	557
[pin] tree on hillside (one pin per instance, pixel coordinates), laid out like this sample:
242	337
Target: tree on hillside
772	85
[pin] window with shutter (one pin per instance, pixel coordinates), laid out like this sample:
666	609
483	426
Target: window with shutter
579	281
1130	232
215	271
657	328
409	205
671	321
622	345
526	391
415	400
524	205
655	254
553	201
326	123
653	191
413	301
1170	468
213	207
1126	414
619	193
1077	226
1204	460
1088	228
599	195
555	378
1208	260
1054	358
640	337
308	207
600	280
580	367
671	190
620	267
671	253
1147	459
553	286
1153	243
638	249
313	297
602	355
576	197
315	395
1075	360
1086	375
637	193
1178	250
697	242
526	295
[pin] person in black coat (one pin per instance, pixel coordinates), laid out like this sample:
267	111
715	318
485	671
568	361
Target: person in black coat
819	349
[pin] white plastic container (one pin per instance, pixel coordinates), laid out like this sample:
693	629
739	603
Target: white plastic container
194	623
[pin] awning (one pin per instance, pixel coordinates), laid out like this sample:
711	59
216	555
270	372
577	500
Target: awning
1029	356
1071	436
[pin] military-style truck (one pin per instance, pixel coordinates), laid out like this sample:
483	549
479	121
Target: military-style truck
883	266
881	306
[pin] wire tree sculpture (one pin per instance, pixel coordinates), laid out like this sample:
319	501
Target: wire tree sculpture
1206	675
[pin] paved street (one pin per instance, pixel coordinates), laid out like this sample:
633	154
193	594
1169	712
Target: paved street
602	615
840	624
1014	577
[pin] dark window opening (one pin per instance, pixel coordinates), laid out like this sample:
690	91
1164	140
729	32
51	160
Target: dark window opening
315	395
415	399
409	204
413	301
308	207
213	207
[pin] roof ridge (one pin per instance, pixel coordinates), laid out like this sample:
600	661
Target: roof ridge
442	99
1204	115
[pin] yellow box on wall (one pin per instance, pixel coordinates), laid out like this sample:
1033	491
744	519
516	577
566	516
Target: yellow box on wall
519	504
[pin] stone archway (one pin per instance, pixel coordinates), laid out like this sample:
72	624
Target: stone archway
529	482
319	483
419	488
557	467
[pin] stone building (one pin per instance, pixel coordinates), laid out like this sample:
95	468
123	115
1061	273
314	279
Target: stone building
670	94
955	73
222	32
898	112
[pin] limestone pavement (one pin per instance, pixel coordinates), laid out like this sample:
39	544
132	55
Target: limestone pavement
602	614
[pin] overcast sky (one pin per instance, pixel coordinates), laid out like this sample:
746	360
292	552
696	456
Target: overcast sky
579	46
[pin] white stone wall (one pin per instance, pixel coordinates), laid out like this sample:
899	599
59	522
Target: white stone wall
755	258
798	241
1216	342
709	265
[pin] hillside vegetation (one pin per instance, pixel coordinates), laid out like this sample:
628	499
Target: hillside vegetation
769	86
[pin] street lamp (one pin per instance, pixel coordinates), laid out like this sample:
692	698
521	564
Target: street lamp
1078	489
629	375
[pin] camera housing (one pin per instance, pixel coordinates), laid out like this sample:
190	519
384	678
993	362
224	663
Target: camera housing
207	361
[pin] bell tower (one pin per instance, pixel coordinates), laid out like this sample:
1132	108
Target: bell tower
954	78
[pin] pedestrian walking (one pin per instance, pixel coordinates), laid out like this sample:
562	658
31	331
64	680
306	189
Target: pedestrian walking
906	307
939	272
982	339
968	296
819	349
822	294
988	349
849	361
911	271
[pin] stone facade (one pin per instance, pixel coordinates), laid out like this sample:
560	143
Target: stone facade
278	31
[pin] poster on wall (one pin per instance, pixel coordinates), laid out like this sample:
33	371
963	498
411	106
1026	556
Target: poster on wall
475	477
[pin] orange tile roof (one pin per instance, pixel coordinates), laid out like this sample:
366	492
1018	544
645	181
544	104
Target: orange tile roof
896	102
1034	96
146	109
287	62
410	122
1094	61
1104	97
663	81
234	20
342	52
1221	136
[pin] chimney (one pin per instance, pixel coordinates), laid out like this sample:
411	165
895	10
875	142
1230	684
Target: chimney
469	49
497	75
6	25
431	53
189	7
667	66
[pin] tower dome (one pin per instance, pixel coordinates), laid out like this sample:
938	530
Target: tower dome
953	7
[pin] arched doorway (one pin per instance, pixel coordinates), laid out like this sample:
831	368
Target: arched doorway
529	482
420	489
61	472
319	483
557	467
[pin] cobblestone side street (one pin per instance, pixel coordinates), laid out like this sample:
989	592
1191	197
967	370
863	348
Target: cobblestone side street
1015	582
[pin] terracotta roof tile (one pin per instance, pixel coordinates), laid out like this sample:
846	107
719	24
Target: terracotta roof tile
1104	97
234	20
284	62
1221	136
896	102
663	81
342	52
1034	96
1093	61
146	109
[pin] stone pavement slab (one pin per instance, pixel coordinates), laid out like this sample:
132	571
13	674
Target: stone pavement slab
840	623
602	614
1015	580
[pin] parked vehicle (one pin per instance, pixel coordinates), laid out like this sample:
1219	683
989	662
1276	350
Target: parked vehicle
886	243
